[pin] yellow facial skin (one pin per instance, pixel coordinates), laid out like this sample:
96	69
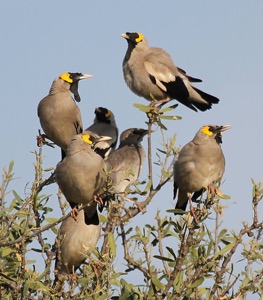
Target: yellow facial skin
86	138
207	131
139	38
108	114
66	77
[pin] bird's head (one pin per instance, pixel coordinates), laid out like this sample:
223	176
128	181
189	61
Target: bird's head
133	37
73	79
103	115
214	131
93	139
132	136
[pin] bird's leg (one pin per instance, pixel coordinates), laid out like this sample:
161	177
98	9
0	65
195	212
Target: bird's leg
138	204
192	209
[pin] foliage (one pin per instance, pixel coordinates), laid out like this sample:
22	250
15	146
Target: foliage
173	257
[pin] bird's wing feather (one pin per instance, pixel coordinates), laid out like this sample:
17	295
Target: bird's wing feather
160	73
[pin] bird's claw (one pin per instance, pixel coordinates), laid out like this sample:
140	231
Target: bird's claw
99	200
74	214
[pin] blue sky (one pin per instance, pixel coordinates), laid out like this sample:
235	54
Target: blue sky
219	42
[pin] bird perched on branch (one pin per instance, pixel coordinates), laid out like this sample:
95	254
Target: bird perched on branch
76	241
81	175
150	73
59	116
200	164
125	163
105	124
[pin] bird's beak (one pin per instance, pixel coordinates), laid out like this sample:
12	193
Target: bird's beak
225	127
145	131
84	76
142	132
104	138
74	86
125	36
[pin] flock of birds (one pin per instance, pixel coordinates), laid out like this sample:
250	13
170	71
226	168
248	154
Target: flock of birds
90	159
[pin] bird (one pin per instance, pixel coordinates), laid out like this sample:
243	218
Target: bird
59	115
104	124
76	241
126	162
200	164
81	175
150	73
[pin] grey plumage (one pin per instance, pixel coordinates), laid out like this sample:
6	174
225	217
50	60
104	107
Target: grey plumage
105	124
200	163
150	73
59	116
81	174
126	162
76	243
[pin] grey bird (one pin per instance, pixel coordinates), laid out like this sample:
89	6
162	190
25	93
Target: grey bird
76	241
105	124
59	116
150	73
81	175
126	162
200	163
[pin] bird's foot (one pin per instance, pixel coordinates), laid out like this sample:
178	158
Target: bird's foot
74	214
212	191
41	139
99	200
159	102
72	278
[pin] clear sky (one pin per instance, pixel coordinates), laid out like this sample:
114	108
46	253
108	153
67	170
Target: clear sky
219	42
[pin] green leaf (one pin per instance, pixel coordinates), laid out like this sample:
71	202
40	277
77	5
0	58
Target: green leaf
163	258
103	219
148	186
143	108
37	250
18	198
224	197
162	151
157	283
178	282
112	244
171	251
51	220
197	282
11	166
222	233
177	211
6	251
224	250
171	117
209	248
168	108
48	169
161	125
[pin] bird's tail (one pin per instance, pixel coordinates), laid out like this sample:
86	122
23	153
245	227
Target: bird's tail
202	100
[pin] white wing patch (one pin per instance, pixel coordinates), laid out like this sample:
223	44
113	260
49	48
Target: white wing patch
160	73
